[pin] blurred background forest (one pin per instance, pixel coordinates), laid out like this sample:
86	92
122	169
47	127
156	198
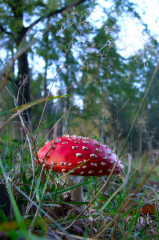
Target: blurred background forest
66	47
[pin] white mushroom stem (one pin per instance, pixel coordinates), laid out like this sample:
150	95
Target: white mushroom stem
77	192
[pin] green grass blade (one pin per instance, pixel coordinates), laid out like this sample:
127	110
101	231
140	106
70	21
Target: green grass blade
31	104
18	216
72	187
45	213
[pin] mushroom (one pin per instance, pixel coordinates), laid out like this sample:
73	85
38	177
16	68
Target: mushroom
80	155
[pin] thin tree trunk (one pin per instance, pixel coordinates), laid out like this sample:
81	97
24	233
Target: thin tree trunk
46	62
24	83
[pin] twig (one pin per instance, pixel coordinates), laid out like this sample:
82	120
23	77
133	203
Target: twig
102	188
41	210
47	101
126	203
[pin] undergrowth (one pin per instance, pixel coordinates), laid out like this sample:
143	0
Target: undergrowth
40	208
33	205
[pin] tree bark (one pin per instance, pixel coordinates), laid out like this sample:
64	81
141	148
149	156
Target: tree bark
24	76
24	82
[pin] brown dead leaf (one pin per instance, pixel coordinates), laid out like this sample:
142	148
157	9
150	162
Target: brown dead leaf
149	209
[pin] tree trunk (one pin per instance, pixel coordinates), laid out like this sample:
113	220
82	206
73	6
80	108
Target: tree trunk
24	83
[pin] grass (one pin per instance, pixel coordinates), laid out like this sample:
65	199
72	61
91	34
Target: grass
120	207
39	209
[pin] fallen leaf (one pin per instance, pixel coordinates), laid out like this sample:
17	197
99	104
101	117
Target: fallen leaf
149	209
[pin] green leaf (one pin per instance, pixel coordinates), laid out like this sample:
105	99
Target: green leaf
18	216
31	104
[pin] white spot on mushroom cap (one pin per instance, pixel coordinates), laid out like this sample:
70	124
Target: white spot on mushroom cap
103	163
97	144
94	164
74	136
66	135
100	171
93	155
109	153
91	171
84	166
112	161
98	150
84	148
78	155
74	147
120	162
109	170
79	162
64	142
85	141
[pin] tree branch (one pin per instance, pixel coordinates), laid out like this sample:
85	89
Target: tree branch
53	13
4	30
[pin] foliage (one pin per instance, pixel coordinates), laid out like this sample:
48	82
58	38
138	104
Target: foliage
54	48
83	62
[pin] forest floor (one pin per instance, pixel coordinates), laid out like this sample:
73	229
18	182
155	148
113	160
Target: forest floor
36	206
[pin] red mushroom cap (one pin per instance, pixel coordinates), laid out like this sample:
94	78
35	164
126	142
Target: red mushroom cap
85	156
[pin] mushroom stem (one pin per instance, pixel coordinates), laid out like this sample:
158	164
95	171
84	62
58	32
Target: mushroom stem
77	192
